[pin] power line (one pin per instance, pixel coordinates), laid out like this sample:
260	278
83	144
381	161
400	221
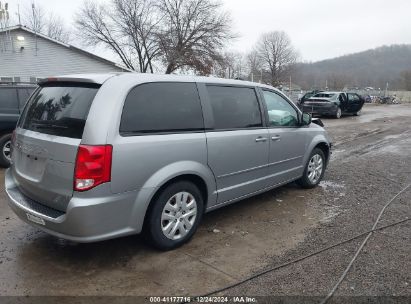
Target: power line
367	234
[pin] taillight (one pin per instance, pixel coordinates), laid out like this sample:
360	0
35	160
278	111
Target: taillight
93	166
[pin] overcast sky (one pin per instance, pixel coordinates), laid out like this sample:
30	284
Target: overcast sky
319	29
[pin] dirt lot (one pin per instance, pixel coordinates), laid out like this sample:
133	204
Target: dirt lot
371	163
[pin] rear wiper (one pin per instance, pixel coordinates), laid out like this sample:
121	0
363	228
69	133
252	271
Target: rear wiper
48	126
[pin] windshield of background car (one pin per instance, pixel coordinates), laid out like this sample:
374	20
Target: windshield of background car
325	95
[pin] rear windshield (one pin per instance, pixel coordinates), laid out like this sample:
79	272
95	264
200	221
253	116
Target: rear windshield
59	109
325	95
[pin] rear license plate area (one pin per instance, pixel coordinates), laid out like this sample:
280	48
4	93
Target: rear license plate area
35	219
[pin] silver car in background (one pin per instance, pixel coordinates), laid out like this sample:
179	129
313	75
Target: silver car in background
102	156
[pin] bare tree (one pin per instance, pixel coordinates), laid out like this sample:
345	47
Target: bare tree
406	80
237	65
181	34
231	65
40	21
254	65
193	34
221	67
139	21
95	27
127	27
35	18
277	55
57	30
337	81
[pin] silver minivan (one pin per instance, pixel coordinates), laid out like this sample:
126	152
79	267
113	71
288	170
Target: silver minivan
96	157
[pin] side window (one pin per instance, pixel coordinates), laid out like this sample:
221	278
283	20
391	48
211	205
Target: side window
8	100
162	107
280	112
234	107
353	97
24	95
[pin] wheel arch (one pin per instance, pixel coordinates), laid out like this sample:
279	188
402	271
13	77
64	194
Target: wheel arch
325	147
193	178
320	141
199	174
6	132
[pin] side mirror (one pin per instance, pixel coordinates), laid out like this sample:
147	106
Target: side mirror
306	119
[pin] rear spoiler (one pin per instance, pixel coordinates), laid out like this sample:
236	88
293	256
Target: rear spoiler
94	79
64	79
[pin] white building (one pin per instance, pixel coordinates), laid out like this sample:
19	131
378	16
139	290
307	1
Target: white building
26	56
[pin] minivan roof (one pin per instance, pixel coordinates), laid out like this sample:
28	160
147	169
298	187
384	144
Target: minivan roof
139	77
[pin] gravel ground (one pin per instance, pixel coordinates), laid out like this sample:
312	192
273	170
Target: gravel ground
371	163
368	169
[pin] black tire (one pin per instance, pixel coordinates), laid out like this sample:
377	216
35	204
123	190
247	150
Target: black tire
4	140
338	113
305	181
153	224
358	113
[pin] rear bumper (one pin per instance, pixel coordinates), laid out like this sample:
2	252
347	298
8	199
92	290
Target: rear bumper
85	220
326	109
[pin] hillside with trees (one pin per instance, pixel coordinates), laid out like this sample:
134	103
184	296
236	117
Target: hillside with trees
190	36
371	68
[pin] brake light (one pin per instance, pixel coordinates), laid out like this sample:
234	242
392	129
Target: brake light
93	167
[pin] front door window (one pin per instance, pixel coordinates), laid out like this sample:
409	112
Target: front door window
280	112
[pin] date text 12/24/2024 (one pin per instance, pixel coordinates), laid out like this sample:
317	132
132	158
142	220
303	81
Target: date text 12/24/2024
203	300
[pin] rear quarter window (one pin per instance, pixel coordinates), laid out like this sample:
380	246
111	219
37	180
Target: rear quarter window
59	109
162	108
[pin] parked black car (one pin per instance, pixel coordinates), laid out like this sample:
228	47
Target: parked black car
12	100
333	103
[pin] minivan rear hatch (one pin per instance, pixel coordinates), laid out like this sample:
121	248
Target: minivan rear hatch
47	138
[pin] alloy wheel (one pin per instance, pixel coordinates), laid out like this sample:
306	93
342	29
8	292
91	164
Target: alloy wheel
7	150
179	215
315	168
339	113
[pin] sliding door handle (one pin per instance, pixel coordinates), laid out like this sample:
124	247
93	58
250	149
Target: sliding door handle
261	139
276	138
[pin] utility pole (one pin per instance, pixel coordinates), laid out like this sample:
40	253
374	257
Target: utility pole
18	13
4	24
34	24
